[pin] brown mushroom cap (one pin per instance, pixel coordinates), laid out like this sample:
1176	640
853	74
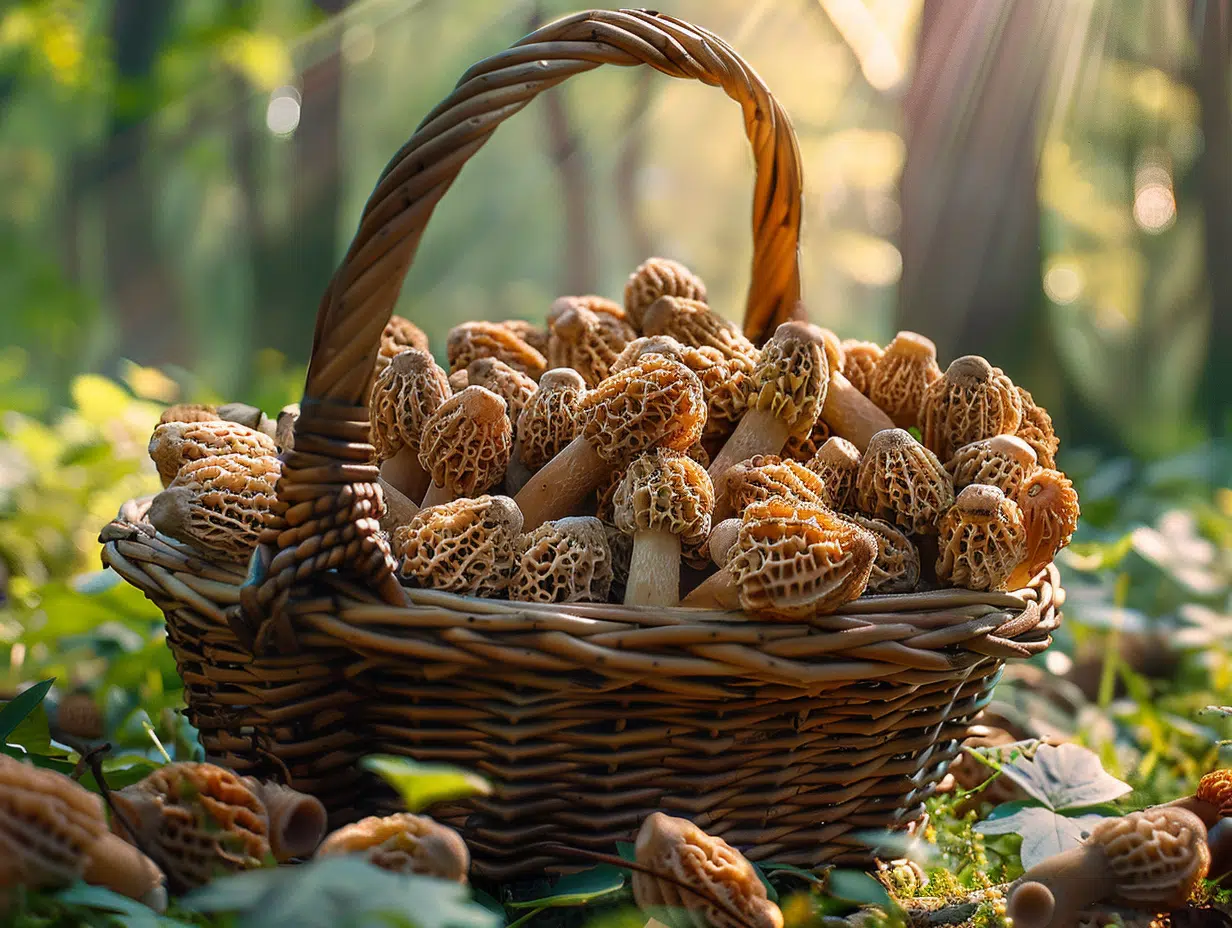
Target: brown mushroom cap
902	482
189	412
791	376
834	349
566	561
409	390
665	491
466	546
650	344
677	847
1037	431
511	385
465	444
403	843
982	539
973	401
621	546
174	443
587	341
859	360
398	335
589	302
837	463
530	333
548	421
658	277
722	538
694	324
459	381
902	374
765	476
806	448
897	566
1002	461
1050	510
472	340
79	716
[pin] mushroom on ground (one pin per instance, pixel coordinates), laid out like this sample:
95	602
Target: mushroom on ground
189	412
406	393
664	499
973	401
1212	800
1002	461
897	566
472	340
465	445
658	277
902	482
981	540
765	476
1050	510
1149	860
728	893
1037	431
530	333
403	843
398	335
657	402
901	375
175	443
587	341
511	385
566	561
694	324
548	421
837	463
859	360
466	546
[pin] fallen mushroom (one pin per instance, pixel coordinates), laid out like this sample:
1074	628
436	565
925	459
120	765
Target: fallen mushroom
1050	511
837	463
406	393
403	843
1150	860
587	341
981	540
566	561
1002	461
1037	431
696	325
1211	801
472	340
765	476
658	277
398	335
973	401
902	482
859	360
465	445
511	385
896	568
189	412
175	443
657	402
297	821
901	375
466	546
664	499
548	421
712	884
530	333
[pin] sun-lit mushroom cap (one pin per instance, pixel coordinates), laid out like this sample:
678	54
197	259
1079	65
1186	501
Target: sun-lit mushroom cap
174	443
1002	461
530	333
665	491
549	420
973	401
835	356
565	561
791	376
859	359
511	385
678	848
409	390
837	463
1158	855
79	716
590	302
657	402
897	566
982	539
403	843
1215	788
472	340
466	546
722	539
398	335
1050	511
219	505
1037	431
794	561
650	344
658	277
901	375
765	476
806	448
693	323
189	412
196	821
902	482
587	341
465	444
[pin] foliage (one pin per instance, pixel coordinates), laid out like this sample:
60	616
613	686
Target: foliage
422	785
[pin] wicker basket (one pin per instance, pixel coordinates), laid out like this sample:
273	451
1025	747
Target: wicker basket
786	739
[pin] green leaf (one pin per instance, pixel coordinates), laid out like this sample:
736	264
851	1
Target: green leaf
1044	832
857	887
16	710
578	889
490	903
1064	777
136	914
423	785
627	850
773	869
771	892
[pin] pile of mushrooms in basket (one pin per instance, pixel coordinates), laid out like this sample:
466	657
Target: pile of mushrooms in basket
646	452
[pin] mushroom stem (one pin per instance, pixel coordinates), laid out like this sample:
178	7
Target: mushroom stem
560	486
436	496
117	865
517	474
852	415
399	510
654	570
404	472
1207	811
758	432
718	591
1075	879
297	821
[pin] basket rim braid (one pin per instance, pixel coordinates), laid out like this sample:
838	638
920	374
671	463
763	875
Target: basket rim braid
787	739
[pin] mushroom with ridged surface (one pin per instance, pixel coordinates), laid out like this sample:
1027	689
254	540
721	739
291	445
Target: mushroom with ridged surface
897	566
765	476
405	394
806	448
696	325
472	340
590	302
837	463
1002	461
981	540
904	483
511	385
398	335
189	412
549	420
530	333
902	374
587	341
465	445
1037	431
972	401
466	546
1050	510
566	561
175	443
859	359
658	277
722	537
1212	800
403	843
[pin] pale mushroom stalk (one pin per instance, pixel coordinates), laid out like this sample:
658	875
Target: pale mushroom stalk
654	570
399	509
404	473
718	591
852	415
117	865
297	821
561	485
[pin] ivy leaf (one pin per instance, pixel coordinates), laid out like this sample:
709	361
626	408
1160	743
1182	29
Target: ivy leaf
578	889
135	914
15	710
857	887
1065	777
423	785
1044	832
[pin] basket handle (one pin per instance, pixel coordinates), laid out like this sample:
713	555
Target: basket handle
328	501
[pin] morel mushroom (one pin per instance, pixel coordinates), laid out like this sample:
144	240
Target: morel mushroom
284	427
1050	510
530	333
189	412
297	821
765	476
403	843
465	445
664	499
658	277
1002	461
459	380
902	482
973	401
587	341
511	385
406	393
837	463
472	340
727	892
901	375
466	546
850	414
897	566
722	538
175	443
658	402
982	539
1149	860
806	448
566	561
1212	800
548	421
247	415
1037	431
696	325
398	335
859	360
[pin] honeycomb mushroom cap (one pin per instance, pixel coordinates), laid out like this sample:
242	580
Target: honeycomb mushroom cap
806	448
902	482
790	378
765	476
835	355
621	546
677	847
411	388
1002	461
974	400
794	561
566	561
398	335
837	463
897	566
549	419
403	843
649	344
859	360
1215	788
901	376
189	412
589	302
1158	856
465	444
511	385
1050	510
1037	431
587	341
472	340
175	443
982	539
466	546
665	491
658	277
694	324
530	333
